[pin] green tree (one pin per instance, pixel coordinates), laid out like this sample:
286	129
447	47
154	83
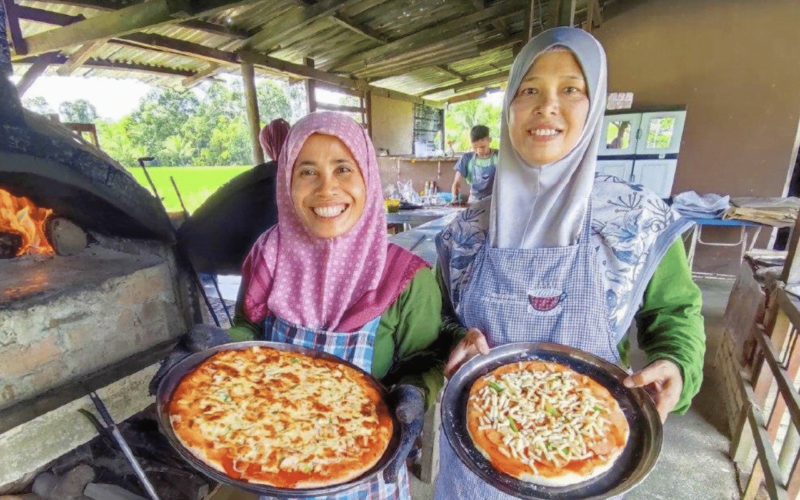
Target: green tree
459	119
115	140
273	101
162	113
80	111
38	104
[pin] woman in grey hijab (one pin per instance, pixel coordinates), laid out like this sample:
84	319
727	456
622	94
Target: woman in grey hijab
560	254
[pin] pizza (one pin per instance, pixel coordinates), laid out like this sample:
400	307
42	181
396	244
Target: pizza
543	423
281	418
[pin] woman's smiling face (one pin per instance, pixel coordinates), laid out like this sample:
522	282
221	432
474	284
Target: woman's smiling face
328	190
549	110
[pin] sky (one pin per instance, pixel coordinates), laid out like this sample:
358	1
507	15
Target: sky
113	98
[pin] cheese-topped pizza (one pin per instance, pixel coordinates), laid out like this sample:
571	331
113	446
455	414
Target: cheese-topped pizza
281	418
543	423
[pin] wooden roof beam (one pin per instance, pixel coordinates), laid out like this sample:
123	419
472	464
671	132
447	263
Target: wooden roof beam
121	22
14	31
79	57
35	71
428	36
193	80
301	70
454	74
459	87
58	59
364	31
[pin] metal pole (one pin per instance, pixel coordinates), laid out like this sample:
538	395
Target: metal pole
137	469
197	279
213	277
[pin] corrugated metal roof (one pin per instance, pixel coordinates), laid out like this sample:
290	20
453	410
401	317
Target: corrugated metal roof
417	67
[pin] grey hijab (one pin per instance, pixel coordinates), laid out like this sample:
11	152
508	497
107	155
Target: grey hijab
545	206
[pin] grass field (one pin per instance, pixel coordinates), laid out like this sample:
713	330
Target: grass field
195	183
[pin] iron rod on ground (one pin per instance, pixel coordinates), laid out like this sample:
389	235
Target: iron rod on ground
213	276
197	279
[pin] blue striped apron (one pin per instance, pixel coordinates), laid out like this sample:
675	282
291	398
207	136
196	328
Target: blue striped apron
538	295
357	348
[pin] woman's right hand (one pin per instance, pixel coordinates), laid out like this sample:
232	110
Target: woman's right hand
471	345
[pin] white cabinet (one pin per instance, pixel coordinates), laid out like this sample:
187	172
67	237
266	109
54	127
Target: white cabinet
618	168
656	175
642	148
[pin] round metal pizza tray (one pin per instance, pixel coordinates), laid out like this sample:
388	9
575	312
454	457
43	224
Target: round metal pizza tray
631	468
170	382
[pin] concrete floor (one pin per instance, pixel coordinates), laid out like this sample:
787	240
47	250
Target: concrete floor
694	463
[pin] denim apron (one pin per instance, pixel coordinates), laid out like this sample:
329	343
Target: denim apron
355	347
536	295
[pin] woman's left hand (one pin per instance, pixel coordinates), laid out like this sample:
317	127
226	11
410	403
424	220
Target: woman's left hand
662	380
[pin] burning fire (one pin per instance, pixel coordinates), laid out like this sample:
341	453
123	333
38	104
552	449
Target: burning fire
21	217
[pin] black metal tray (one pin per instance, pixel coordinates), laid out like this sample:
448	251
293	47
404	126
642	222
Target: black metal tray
170	382
631	468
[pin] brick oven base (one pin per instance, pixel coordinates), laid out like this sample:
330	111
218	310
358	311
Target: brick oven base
72	324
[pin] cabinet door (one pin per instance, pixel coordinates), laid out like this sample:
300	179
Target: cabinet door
618	168
657	175
660	133
619	134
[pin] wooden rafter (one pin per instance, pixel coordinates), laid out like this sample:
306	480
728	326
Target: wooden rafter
193	80
80	56
266	61
121	22
475	82
467	97
364	31
273	32
14	31
113	65
454	74
35	71
47	16
352	64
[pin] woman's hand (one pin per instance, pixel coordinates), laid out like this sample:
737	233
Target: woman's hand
471	345
662	380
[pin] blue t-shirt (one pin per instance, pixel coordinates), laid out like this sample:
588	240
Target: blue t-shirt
479	173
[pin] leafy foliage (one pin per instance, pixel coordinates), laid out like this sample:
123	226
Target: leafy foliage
461	117
79	111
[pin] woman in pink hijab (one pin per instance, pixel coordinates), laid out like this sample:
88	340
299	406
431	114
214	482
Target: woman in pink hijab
325	277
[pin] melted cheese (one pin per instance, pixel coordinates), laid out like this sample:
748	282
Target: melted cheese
284	412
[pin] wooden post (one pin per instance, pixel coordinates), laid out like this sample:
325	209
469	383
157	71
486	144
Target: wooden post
310	88
368	106
36	69
249	77
531	18
791	270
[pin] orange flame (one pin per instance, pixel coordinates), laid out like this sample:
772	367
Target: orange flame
21	216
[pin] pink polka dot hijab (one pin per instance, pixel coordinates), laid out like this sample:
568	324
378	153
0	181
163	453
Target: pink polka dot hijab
335	284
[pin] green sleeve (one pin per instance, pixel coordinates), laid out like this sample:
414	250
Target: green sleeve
452	330
412	323
243	329
670	323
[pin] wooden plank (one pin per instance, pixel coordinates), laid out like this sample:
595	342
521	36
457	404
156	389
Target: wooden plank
341	90
79	57
791	269
266	61
210	70
121	22
14	31
461	86
425	37
251	98
754	482
175	46
742	441
274	31
783	379
339	108
367	99
790	305
467	97
104	64
780	405
364	31
793	484
454	74
772	472
47	16
36	69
